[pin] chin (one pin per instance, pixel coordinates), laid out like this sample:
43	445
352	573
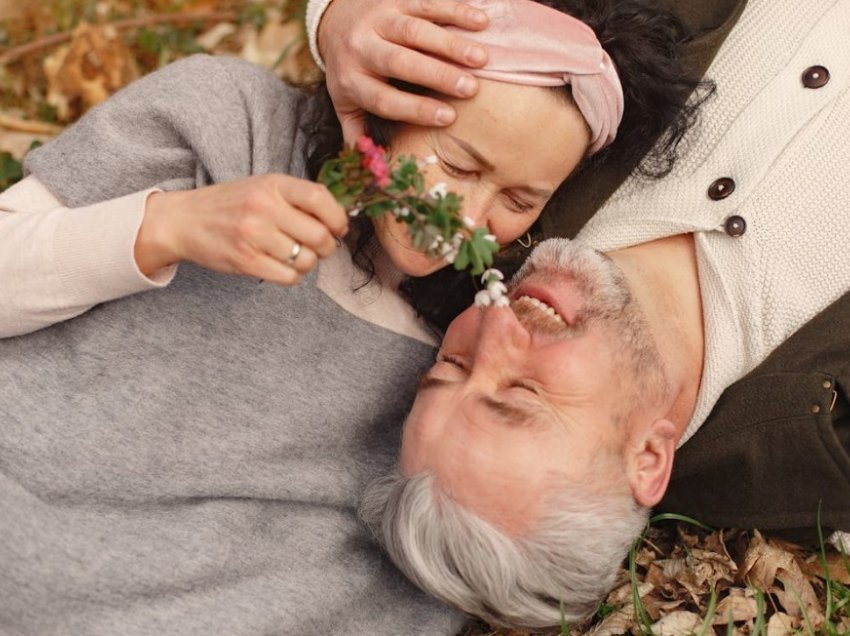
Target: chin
404	257
416	264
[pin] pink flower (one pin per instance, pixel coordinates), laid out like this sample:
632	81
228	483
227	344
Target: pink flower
365	145
374	161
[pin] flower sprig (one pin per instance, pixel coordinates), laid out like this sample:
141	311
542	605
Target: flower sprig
364	182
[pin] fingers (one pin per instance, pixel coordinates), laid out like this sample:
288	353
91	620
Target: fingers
304	229
423	35
285	250
268	268
330	219
353	126
391	103
449	12
417	68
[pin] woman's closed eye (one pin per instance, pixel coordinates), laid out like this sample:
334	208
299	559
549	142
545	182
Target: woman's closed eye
456	171
517	204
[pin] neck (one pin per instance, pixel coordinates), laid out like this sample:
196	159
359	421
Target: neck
664	279
387	275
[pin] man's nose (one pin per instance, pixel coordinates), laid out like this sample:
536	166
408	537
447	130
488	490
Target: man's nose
501	335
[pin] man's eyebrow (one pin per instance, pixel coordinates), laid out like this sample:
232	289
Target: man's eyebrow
428	381
472	151
517	414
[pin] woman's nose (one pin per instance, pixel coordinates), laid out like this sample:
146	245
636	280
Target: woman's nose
475	206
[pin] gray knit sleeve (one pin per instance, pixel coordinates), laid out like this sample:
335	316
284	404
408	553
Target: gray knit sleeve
198	121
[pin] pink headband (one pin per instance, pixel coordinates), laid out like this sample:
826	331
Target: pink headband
530	43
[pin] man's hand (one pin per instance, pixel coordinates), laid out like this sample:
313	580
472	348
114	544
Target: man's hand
364	42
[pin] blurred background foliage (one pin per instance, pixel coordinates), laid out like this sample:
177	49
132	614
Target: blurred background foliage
58	58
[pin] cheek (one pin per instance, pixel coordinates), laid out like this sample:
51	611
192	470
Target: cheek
509	226
423	436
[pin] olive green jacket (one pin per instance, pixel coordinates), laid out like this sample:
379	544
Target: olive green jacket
778	441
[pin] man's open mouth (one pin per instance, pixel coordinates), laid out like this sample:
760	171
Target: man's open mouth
542	307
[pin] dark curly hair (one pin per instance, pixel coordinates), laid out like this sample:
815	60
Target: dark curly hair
661	102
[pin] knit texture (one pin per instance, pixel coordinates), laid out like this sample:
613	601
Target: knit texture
786	147
189	460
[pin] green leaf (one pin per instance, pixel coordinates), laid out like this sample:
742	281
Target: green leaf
462	259
476	260
11	171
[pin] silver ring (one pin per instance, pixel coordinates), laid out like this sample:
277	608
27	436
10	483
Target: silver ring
296	250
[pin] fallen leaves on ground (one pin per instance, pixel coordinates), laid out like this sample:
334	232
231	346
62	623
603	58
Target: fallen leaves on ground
762	585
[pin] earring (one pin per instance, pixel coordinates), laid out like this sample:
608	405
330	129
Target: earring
528	240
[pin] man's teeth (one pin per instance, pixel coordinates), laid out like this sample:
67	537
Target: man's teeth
543	307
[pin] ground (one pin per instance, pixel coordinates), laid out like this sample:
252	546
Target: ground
60	57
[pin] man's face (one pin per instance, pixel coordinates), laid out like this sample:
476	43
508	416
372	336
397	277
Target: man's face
521	398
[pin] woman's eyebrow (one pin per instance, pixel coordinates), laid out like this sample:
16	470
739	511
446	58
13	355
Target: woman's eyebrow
472	151
543	193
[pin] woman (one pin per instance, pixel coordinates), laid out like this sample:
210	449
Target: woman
189	460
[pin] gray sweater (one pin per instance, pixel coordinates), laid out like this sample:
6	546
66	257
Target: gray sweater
188	461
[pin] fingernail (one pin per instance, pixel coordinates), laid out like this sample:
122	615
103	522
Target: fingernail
465	86
444	116
478	17
476	55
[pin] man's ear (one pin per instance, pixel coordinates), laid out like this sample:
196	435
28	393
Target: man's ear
650	462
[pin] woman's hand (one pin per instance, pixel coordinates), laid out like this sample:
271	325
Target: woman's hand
250	227
364	42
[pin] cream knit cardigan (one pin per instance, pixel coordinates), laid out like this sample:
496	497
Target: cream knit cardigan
787	147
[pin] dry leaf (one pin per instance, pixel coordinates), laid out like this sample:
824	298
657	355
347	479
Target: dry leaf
657	607
771	566
676	623
623	594
91	68
739	606
780	624
813	567
616	623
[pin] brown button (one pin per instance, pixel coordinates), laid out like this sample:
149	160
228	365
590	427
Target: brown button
827	384
815	77
815	408
721	189
735	226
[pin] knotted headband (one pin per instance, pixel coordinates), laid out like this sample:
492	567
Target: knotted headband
530	43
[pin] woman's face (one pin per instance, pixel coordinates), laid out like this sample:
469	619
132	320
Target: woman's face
508	150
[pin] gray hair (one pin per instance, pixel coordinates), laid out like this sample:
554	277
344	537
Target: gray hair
571	555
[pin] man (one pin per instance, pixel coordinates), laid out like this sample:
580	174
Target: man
760	196
723	179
